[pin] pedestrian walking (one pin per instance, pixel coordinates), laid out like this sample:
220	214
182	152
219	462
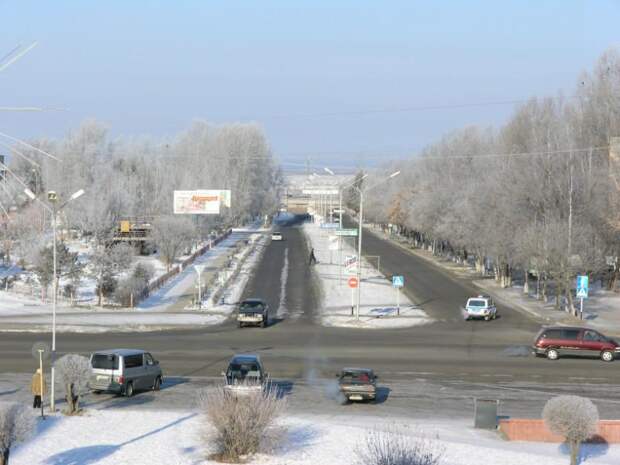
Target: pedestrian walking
38	388
312	259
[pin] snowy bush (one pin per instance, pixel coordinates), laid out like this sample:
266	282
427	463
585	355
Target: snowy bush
74	372
393	448
575	418
131	289
16	425
237	423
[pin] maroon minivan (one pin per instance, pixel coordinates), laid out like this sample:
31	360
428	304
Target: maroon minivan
554	341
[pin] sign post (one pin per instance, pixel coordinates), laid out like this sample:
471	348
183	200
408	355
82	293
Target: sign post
353	283
582	292
397	283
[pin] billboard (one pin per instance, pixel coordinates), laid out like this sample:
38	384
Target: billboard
200	202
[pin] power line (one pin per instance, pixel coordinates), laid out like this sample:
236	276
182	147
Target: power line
15	55
399	110
512	154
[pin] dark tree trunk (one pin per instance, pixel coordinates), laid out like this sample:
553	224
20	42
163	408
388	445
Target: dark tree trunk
4	457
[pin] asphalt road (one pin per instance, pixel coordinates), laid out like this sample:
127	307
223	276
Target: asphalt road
296	348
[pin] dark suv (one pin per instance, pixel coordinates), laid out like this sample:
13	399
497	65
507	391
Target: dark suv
553	342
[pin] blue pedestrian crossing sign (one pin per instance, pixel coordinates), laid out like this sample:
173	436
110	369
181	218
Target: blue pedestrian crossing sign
582	287
398	281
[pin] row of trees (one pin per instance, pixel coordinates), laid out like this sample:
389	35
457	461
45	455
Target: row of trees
540	193
132	178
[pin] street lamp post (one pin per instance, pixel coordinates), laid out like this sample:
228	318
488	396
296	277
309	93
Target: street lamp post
359	239
52	198
341	188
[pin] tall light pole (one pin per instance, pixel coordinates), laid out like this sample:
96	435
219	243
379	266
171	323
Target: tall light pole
51	206
359	239
341	188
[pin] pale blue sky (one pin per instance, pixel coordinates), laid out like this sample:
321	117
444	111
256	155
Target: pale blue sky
151	67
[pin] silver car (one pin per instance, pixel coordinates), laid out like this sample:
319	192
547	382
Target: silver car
124	371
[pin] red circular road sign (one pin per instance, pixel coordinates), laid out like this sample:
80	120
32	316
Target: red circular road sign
353	283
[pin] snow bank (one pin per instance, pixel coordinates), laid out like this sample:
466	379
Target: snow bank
378	298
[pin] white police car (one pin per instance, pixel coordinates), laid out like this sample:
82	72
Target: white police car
480	307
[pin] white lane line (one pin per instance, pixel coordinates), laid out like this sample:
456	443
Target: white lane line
282	311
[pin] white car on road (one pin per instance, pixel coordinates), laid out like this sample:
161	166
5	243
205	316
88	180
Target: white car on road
480	307
276	236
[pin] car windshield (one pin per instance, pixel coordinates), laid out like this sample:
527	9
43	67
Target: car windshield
240	371
105	361
477	303
355	377
251	307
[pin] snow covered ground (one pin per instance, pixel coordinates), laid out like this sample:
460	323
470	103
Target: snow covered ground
123	436
165	308
378	297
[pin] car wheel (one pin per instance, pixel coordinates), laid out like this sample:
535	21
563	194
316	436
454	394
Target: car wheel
553	354
607	356
157	384
129	390
96	392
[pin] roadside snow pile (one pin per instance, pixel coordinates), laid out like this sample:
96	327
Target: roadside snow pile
101	322
378	298
110	437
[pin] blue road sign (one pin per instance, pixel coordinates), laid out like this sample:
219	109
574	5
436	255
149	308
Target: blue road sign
398	281
582	287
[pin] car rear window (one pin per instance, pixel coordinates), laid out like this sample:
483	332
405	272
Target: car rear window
477	303
356	377
104	361
133	361
241	370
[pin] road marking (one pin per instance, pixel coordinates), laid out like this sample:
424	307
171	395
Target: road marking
282	311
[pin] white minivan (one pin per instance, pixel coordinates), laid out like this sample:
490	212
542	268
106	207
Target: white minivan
124	371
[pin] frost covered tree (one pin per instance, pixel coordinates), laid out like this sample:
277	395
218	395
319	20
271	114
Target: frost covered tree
540	193
67	265
171	235
106	262
16	426
573	417
74	372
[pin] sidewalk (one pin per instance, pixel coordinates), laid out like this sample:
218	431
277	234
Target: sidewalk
378	298
600	311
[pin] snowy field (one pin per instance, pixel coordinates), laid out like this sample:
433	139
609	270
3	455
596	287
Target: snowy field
378	297
112	437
